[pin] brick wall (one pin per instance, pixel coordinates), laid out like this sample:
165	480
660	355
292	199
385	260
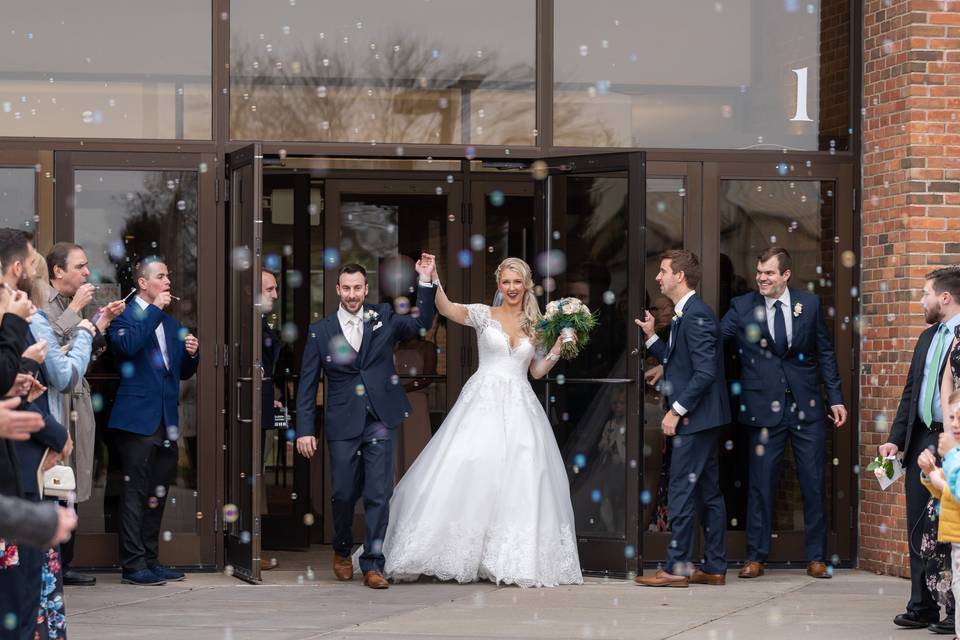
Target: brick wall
910	223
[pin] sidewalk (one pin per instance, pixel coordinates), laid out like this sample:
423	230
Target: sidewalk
298	604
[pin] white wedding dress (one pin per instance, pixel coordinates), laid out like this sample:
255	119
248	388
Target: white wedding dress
488	497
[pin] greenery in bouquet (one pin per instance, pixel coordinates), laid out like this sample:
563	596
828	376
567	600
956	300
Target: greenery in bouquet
881	466
566	313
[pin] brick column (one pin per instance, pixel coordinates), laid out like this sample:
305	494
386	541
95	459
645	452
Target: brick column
910	224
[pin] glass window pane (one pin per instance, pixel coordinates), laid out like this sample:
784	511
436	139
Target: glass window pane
122	217
102	69
703	74
18	198
451	72
755	214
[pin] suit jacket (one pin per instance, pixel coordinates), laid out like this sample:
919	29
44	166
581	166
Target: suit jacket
370	378
766	376
902	428
149	392
693	369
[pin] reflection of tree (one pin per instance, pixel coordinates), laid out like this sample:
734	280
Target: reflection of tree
403	94
156	226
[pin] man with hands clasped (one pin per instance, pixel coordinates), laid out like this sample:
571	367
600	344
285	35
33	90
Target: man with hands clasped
694	388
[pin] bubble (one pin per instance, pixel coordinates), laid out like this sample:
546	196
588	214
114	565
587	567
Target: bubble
127	370
759	450
397	275
561	378
539	170
240	258
341	350
173	432
97	401
289	332
360	390
181	205
645	497
580	460
753	332
245	537
230	513
331	258
464	258
477	242
609	297
496	198
782	168
726	111
167	536
596	496
394	379
10	621
552	263
728	445
116	250
228	570
735	388
854	292
775	406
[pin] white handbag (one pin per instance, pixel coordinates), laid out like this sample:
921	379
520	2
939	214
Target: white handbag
58	481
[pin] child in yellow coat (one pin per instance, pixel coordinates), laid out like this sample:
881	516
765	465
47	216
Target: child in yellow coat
946	485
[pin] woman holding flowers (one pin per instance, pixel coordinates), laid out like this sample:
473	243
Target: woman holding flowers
488	496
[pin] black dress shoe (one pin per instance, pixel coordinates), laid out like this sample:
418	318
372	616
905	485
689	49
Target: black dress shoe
944	627
73	578
914	620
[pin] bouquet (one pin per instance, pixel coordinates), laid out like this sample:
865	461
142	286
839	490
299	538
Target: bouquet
565	317
881	467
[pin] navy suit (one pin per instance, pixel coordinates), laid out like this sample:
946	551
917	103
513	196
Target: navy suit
780	397
365	404
693	377
144	423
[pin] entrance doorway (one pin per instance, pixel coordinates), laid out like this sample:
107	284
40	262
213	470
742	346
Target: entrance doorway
591	227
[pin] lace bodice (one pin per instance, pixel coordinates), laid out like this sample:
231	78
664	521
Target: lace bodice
497	356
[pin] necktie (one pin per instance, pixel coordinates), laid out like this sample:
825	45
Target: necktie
779	328
357	334
933	379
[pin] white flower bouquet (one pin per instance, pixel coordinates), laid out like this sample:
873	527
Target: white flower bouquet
564	317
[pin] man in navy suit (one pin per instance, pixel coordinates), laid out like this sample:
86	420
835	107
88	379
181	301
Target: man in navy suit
365	404
694	388
785	352
154	352
917	426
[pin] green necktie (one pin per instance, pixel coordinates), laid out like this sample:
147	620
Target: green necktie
929	389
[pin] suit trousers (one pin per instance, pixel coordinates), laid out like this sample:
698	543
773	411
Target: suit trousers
767	446
921	601
362	467
695	491
149	466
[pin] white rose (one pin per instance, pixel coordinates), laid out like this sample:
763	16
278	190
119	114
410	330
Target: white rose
568	308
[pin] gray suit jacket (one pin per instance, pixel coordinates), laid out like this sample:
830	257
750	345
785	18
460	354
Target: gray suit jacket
31	523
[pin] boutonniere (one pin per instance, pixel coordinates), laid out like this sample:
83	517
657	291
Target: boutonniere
677	315
797	310
370	315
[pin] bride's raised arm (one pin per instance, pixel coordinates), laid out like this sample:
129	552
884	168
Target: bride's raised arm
447	308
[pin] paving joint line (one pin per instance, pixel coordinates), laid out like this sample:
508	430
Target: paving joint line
739	609
75	614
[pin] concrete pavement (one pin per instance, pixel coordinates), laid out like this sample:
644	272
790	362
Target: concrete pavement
297	603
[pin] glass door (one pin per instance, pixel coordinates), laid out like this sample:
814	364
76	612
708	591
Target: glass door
122	208
592	214
242	496
806	208
384	224
26	194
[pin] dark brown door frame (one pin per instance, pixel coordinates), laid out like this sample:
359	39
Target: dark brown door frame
100	549
842	506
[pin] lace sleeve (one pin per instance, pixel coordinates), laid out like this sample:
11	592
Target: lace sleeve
478	316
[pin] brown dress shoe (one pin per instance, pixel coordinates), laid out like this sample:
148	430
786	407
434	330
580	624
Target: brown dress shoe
342	567
713	579
375	580
662	579
267	563
818	570
752	569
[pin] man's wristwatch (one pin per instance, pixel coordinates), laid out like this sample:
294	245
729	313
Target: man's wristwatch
673	412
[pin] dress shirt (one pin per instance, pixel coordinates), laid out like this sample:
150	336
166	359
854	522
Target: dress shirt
161	338
928	367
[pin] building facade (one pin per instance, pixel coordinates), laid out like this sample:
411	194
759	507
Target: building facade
298	135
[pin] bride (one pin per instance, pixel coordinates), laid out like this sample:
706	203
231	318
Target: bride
488	498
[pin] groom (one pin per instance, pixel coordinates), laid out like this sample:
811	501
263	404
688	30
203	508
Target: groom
365	404
695	389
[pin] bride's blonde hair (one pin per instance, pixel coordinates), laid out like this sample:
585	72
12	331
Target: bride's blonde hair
530	306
